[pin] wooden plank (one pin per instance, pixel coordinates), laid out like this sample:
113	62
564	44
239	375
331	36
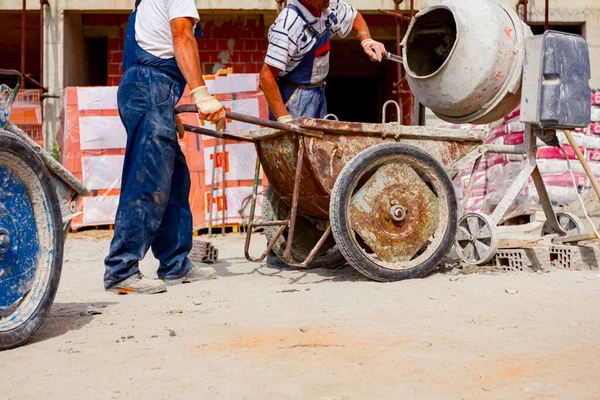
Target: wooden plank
575	238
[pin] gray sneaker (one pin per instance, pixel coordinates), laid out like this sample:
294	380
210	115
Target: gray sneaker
138	283
197	273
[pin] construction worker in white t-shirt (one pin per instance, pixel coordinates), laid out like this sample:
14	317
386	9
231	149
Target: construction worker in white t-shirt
160	57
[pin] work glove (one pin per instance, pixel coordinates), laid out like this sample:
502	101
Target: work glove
209	108
375	50
286	119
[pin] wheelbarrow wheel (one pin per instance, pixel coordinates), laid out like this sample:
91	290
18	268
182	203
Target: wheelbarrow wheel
31	241
306	236
393	212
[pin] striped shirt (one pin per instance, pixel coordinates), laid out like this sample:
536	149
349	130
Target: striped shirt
290	38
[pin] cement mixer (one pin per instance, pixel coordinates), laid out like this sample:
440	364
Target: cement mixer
464	59
474	61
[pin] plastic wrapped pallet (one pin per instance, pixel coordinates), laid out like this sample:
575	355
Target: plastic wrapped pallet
92	142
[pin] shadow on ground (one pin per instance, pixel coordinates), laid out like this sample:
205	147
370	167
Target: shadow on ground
65	317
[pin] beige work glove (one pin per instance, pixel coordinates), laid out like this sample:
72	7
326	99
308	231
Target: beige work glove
209	108
286	119
375	50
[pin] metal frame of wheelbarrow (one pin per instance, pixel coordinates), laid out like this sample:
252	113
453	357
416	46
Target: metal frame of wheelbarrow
313	128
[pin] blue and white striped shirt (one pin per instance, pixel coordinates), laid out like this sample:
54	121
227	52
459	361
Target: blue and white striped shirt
290	38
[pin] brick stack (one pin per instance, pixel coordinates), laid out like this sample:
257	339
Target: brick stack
92	142
26	113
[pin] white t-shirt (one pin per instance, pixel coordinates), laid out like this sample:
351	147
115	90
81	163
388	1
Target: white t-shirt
153	24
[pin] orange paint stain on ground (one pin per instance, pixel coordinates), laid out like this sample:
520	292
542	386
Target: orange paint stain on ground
275	340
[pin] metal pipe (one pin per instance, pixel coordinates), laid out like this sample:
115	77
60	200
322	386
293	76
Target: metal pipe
223	184
546	17
294	210
524	4
42	4
583	161
23	39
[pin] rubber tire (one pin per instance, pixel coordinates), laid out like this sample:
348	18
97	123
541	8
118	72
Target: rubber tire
18	336
339	214
332	260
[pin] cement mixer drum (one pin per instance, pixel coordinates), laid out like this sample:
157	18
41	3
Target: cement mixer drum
464	59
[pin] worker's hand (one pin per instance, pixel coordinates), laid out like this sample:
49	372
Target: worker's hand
209	108
286	119
375	50
180	128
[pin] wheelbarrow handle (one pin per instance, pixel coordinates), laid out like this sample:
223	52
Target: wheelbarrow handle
190	108
18	75
218	135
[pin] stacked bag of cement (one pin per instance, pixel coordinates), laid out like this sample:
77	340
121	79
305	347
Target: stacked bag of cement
498	171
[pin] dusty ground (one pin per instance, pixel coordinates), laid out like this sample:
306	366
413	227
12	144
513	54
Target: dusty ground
260	333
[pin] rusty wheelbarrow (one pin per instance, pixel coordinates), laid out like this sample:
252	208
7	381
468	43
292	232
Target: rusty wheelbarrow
378	196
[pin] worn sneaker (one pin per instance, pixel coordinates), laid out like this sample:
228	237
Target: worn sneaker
138	283
197	273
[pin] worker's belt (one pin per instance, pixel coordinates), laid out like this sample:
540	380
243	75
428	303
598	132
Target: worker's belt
304	86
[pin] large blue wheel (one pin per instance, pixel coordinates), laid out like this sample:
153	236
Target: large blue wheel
31	241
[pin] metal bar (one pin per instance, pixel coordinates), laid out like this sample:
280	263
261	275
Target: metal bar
190	108
224	185
471	182
212	189
575	238
272	223
294	210
252	207
269	246
546	17
251	225
42	4
35	83
23	38
466	160
540	186
18	75
219	135
315	250
513	191
395	14
505	149
584	163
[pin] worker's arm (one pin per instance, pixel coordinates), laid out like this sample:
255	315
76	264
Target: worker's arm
268	84
375	50
188	60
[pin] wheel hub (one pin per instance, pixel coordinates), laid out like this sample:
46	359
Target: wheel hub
4	240
395	213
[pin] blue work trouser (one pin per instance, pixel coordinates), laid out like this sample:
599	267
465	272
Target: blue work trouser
154	210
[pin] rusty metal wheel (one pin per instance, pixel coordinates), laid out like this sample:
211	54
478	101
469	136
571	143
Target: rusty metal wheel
393	212
307	234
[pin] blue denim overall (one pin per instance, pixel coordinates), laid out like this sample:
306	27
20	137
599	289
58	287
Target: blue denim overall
305	102
154	209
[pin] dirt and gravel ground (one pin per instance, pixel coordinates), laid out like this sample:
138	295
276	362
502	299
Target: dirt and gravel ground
261	333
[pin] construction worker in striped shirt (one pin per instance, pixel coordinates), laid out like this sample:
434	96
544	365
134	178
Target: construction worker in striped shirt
297	60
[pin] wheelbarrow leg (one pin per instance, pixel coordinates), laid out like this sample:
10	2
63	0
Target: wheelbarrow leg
294	210
251	225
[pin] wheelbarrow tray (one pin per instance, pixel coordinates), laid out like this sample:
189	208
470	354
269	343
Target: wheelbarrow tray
326	155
